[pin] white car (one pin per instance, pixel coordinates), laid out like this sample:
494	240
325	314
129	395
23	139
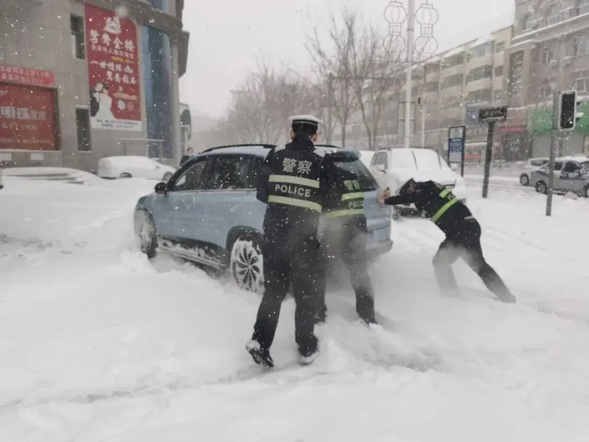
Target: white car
130	166
394	166
531	165
366	157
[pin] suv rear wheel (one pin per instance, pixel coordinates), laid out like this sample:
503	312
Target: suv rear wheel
246	264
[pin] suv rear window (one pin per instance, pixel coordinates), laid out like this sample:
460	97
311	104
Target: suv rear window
355	166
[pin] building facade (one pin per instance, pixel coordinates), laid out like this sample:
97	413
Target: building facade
550	49
81	80
448	89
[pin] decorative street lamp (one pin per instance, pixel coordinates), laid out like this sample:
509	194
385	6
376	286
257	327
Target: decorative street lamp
416	49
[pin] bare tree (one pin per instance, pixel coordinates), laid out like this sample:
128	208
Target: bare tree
332	59
259	109
381	69
363	68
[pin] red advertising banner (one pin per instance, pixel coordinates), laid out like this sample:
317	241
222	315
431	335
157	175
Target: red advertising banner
113	70
34	77
27	118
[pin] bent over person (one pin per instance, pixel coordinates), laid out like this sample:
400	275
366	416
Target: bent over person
463	234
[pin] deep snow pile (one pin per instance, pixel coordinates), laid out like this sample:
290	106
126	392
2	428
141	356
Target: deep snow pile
98	344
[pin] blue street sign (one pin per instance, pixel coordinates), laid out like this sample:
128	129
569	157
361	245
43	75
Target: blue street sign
456	142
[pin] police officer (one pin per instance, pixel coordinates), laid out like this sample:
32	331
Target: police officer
463	234
346	238
293	186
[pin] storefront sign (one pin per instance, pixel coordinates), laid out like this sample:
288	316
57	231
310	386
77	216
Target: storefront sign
20	75
113	70
27	118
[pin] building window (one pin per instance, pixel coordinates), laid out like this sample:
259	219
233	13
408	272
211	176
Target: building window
500	47
77	33
527	23
83	125
432	86
480	96
547	87
161	5
548	54
582	84
454	60
582	7
499	71
551	15
157	72
480	73
580	45
452	81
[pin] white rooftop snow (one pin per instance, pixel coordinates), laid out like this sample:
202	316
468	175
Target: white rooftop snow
482	40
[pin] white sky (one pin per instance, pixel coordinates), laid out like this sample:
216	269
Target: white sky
227	37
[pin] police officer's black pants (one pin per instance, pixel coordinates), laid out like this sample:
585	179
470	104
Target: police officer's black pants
352	251
465	243
298	265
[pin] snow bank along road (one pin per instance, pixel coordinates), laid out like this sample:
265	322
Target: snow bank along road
98	344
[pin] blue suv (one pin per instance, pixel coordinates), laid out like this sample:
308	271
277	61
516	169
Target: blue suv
208	213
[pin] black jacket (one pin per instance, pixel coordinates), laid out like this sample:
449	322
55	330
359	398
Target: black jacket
437	203
293	183
344	204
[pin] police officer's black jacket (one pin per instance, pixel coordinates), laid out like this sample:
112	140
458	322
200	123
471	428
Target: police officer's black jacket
437	203
293	184
344	199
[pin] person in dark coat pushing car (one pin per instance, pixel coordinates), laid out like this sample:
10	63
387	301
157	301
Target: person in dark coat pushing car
463	234
293	184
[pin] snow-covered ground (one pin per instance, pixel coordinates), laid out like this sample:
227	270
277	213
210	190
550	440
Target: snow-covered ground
98	344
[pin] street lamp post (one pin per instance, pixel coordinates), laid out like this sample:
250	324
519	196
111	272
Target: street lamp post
439	65
425	44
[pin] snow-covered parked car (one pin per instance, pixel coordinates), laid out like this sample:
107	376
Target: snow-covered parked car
531	165
131	166
208	212
394	166
366	156
571	174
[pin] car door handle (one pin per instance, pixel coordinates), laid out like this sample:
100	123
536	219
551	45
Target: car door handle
233	208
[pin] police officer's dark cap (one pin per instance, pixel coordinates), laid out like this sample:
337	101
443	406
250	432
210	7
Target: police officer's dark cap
306	124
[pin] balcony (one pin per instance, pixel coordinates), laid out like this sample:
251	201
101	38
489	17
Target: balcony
483	83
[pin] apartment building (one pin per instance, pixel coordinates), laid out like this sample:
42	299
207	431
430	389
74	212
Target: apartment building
448	90
550	49
81	80
456	84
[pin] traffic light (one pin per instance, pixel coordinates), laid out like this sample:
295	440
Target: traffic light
567	112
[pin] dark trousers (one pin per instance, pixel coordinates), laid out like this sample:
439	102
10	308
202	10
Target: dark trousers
465	243
351	248
283	265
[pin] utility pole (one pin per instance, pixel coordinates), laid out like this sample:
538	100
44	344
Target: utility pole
553	141
422	104
409	82
564	119
329	106
490	116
